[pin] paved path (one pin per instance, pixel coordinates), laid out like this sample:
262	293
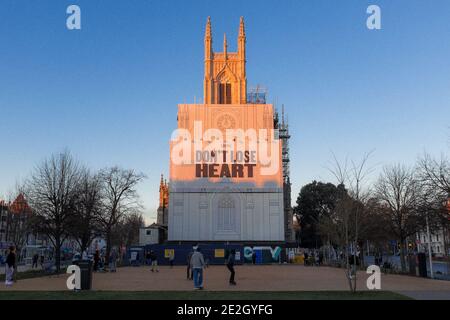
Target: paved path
249	278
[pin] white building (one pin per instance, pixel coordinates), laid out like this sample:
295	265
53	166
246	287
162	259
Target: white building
150	235
438	241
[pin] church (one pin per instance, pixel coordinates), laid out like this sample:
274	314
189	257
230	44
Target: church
226	159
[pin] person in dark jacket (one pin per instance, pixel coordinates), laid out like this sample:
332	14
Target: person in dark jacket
230	265
10	266
96	260
154	259
35	261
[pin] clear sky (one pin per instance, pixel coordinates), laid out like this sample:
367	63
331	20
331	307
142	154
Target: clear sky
109	92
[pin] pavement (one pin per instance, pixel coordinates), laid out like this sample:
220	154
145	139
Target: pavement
248	278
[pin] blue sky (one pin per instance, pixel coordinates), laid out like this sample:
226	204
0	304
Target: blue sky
109	92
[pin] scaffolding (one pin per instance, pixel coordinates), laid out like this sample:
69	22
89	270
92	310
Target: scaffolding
257	95
284	135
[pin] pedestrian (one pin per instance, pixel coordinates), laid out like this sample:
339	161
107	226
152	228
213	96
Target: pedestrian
42	260
96	260
197	264
316	258
189	270
230	265
171	258
10	266
148	259
112	260
154	260
305	258
35	261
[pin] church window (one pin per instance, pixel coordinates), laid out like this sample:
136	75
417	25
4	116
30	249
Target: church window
226	219
224	93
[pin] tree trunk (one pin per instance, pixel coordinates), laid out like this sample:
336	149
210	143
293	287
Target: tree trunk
108	244
402	255
58	253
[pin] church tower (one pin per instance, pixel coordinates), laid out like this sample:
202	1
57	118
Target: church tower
162	213
227	190
225	77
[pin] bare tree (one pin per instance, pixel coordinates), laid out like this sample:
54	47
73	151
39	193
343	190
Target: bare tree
435	173
119	199
52	191
398	193
127	232
347	220
85	222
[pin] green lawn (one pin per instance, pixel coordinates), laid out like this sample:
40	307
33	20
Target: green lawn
199	295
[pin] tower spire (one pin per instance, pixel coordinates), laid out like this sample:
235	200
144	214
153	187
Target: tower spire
208	40
241	57
242	28
208	29
207	82
225	45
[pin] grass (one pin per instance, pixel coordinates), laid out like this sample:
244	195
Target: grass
199	295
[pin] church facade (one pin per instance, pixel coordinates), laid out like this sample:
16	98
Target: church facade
226	179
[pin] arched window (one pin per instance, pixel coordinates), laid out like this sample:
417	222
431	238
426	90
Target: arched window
224	93
226	218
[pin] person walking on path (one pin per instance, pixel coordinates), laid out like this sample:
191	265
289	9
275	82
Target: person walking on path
230	265
197	264
96	260
10	266
35	261
154	259
112	260
148	259
171	258
189	270
42	260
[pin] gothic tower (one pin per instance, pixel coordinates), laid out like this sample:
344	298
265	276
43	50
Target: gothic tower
225	78
162	213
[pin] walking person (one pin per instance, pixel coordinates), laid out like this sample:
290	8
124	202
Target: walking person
112	260
96	260
230	265
10	266
189	270
148	259
197	264
154	259
171	258
35	261
42	260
